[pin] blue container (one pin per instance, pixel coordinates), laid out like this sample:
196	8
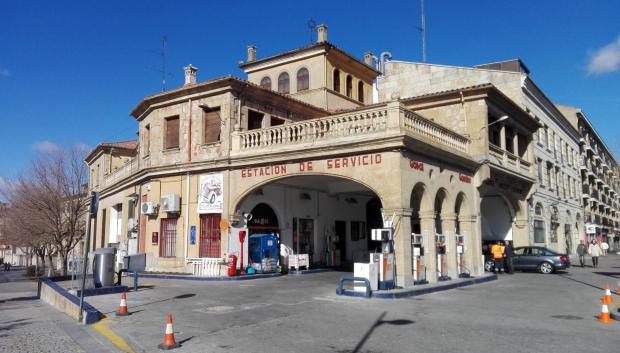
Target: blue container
263	252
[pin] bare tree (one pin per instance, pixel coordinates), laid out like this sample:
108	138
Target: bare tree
47	205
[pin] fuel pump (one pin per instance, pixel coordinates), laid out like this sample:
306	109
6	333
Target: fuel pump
460	257
417	259
386	257
440	246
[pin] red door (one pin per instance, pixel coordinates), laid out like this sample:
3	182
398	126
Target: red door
210	236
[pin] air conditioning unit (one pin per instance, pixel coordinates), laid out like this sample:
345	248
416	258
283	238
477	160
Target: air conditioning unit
148	208
170	203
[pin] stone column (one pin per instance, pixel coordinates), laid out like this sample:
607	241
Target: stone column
448	227
402	244
427	225
473	245
502	136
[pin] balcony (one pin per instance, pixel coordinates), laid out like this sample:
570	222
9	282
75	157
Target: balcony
509	160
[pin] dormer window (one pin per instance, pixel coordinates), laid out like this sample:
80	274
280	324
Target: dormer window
283	83
349	86
303	79
265	83
337	80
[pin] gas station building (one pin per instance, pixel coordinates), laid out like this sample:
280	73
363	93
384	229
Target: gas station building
305	149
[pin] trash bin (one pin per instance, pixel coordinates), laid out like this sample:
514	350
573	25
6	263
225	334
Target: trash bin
103	267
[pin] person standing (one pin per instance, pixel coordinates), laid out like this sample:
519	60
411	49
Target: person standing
508	255
497	250
582	251
604	247
595	251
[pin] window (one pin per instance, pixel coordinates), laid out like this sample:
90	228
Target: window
283	83
265	83
172	133
538	210
510	136
540	171
210	237
337	81
255	120
494	132
303	79
349	86
520	251
211	125
168	237
360	91
522	145
539	231
147	139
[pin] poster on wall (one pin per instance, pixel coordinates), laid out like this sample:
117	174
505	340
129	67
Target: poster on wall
211	193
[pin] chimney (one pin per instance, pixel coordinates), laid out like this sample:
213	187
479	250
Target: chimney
321	33
251	53
368	58
190	74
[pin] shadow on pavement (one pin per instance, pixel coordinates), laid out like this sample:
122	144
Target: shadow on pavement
378	323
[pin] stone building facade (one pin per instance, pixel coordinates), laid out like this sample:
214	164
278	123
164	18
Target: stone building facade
554	212
319	167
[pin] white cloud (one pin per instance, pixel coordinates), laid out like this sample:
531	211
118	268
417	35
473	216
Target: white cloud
45	147
5	73
605	59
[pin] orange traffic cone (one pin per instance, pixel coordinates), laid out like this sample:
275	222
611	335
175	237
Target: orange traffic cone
122	310
604	317
170	342
607	299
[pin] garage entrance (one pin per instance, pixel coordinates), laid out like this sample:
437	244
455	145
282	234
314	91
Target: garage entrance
329	218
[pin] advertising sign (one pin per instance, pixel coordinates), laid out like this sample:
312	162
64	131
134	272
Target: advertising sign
211	193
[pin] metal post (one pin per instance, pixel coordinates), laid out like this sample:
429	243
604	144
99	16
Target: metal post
94	200
135	281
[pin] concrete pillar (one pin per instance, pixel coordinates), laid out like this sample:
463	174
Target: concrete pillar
473	245
502	136
402	244
427	225
448	227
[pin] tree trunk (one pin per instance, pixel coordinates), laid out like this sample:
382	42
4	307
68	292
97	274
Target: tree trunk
42	257
51	260
64	264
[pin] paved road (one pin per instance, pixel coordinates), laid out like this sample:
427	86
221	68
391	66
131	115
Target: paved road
525	312
29	325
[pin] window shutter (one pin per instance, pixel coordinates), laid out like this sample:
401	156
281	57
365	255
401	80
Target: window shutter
211	126
172	132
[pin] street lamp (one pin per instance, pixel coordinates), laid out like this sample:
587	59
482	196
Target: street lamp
502	118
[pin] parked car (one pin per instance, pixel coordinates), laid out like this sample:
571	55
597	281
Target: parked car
539	258
531	258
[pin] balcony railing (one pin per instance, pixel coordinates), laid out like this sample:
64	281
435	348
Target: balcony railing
508	159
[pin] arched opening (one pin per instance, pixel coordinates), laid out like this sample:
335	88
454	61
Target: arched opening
283	83
360	91
496	218
327	218
349	90
441	240
265	82
463	238
303	79
419	204
336	80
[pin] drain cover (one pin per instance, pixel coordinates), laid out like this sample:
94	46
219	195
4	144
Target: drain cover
567	317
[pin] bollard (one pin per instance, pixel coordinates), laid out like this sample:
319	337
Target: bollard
135	281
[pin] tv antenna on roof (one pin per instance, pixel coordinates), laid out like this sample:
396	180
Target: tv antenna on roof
162	70
422	29
311	28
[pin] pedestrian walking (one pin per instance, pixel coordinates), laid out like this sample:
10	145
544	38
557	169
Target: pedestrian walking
595	251
497	250
508	256
582	250
604	247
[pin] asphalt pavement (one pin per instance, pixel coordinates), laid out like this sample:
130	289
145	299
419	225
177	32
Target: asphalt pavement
524	312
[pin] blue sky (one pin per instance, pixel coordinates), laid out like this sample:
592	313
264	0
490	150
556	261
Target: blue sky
70	72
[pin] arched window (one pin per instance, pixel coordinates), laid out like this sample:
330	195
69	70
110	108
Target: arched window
337	80
349	86
303	79
360	91
538	210
283	83
265	82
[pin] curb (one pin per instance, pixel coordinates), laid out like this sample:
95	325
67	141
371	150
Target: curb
309	272
210	279
71	303
420	291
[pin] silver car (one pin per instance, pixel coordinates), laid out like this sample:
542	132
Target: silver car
539	258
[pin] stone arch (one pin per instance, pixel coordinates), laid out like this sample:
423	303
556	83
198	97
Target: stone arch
498	215
442	207
244	194
419	202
